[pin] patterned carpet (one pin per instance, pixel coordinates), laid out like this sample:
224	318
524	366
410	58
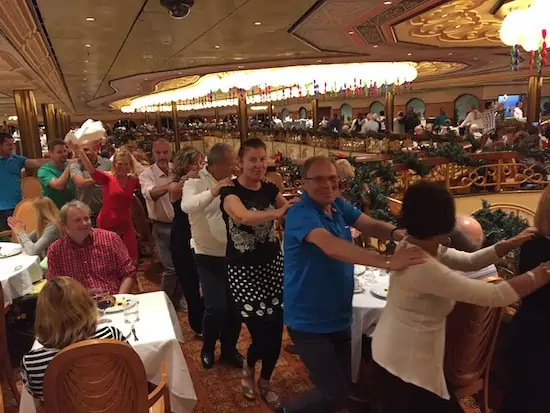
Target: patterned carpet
218	390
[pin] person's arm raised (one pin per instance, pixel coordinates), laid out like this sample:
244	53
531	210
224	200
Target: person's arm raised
345	251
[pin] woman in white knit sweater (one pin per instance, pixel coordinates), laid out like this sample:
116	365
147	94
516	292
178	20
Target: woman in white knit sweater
409	341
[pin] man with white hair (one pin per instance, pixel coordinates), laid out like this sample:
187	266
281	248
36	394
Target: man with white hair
97	258
155	183
468	236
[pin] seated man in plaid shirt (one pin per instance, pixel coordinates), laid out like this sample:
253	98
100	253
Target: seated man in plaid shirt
97	258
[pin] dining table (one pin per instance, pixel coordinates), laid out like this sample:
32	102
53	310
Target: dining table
158	336
17	272
367	308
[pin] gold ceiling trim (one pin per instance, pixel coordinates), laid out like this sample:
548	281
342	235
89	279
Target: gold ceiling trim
20	28
426	69
176	83
464	21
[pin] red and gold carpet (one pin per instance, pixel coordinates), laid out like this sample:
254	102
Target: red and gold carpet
218	390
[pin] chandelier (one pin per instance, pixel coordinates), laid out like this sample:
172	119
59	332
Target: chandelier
275	84
527	27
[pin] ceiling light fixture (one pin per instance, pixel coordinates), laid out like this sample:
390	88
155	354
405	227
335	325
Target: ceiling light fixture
351	32
88	45
179	73
285	83
90	19
217	47
409	54
257	23
319	61
475	58
375	46
534	22
387	3
240	67
450	53
255	108
86	61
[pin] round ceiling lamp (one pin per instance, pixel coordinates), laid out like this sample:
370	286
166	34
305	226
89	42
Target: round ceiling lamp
273	84
525	27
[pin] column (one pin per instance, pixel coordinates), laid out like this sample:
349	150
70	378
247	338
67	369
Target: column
217	115
48	111
159	120
243	116
314	111
27	118
388	110
59	123
175	123
270	112
533	99
146	117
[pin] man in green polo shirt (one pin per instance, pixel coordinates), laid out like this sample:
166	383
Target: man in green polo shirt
54	176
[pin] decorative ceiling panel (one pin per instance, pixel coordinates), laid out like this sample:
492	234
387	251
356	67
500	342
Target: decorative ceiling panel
462	23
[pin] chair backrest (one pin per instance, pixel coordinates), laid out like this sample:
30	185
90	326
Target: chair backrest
470	340
96	376
31	188
141	221
276	178
25	212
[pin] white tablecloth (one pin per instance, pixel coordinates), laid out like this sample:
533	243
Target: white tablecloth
366	312
159	334
16	274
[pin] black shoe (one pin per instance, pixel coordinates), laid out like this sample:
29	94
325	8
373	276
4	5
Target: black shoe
207	359
234	359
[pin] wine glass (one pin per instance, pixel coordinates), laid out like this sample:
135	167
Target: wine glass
99	296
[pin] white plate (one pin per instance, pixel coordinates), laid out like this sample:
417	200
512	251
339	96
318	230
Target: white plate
359	269
9	250
130	299
380	290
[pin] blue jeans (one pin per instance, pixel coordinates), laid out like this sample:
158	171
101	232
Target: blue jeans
161	234
328	359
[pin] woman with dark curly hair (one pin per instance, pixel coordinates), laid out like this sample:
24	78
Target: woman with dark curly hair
186	165
409	340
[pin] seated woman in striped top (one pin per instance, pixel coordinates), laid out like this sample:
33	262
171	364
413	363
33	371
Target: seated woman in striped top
65	314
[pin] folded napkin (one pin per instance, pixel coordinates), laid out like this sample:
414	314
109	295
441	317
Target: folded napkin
90	131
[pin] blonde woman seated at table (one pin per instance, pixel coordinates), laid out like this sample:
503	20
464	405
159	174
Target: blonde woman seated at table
65	314
409	340
47	231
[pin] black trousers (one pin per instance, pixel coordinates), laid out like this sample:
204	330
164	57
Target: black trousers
397	396
328	359
266	335
221	319
186	271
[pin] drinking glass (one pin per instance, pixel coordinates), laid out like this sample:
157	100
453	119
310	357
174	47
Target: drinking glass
98	296
131	312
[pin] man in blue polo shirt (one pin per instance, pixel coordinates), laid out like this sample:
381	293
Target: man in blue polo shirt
318	282
10	176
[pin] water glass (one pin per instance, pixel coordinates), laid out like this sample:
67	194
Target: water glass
131	312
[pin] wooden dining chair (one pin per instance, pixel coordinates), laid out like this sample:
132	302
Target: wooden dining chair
6	369
31	188
276	178
142	225
102	376
470	341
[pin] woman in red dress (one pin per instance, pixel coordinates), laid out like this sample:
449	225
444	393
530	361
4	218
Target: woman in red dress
118	190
